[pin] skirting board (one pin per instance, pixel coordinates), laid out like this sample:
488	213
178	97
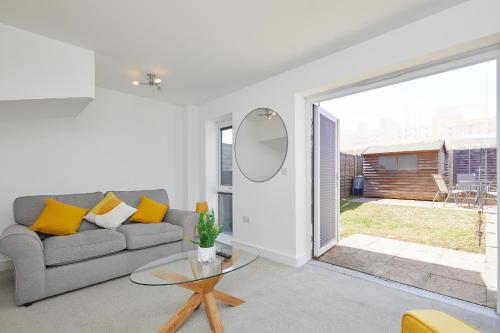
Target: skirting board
276	256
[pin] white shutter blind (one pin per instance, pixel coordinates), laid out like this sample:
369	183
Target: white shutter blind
328	176
326	181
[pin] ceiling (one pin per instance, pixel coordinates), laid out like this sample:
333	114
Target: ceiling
206	49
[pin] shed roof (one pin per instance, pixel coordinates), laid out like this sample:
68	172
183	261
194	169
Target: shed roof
410	147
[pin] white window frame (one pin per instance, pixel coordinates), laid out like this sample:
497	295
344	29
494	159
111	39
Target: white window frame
221	125
223	237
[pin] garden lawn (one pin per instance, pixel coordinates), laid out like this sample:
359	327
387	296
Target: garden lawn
446	228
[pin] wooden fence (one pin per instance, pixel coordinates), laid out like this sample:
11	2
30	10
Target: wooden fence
481	161
350	167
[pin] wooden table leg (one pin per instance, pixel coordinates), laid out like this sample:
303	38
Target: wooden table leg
212	313
203	292
227	299
182	314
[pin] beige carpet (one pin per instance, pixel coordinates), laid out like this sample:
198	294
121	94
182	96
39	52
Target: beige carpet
279	299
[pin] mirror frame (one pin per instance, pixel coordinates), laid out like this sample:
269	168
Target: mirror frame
236	144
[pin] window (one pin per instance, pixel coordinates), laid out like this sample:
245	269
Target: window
226	212
224	194
388	162
226	156
407	162
398	162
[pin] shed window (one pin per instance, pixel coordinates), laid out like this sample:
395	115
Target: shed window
398	162
388	162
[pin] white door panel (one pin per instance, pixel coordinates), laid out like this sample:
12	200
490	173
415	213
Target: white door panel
326	181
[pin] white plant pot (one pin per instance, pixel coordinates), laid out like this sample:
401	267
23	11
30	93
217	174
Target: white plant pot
206	254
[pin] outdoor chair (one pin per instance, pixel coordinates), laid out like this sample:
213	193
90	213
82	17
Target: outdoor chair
467	182
443	190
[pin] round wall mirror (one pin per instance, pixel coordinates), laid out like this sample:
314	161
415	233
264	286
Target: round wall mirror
261	144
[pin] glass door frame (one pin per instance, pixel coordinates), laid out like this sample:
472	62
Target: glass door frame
469	58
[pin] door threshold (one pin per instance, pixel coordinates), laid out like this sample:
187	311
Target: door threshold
473	307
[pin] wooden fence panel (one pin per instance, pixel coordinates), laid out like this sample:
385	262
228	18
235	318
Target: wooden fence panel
419	184
350	167
481	161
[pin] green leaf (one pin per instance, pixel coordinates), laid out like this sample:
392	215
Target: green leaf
208	229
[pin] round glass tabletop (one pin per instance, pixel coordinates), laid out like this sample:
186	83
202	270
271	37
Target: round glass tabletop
184	267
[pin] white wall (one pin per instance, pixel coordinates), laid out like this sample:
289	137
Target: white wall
35	67
41	77
279	209
192	141
118	142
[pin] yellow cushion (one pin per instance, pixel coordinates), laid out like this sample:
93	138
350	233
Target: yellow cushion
149	211
109	202
59	218
433	321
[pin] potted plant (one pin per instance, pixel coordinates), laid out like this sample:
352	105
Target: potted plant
208	231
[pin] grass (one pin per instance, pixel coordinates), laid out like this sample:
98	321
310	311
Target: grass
446	228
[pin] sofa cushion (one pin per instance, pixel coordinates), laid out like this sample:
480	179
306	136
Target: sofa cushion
149	211
60	250
59	218
28	209
115	217
109	202
141	235
133	198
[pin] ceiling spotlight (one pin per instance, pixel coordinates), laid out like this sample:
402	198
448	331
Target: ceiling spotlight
152	81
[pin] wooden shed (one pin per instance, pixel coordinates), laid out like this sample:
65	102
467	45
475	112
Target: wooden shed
403	171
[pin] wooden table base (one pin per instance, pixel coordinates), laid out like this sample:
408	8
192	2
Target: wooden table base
203	292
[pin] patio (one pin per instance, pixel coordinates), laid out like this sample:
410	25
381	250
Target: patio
463	275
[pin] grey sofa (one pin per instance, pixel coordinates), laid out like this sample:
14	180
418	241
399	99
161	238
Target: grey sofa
48	265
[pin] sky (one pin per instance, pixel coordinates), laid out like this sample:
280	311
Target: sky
469	90
227	136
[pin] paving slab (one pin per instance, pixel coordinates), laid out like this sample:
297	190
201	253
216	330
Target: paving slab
456	288
463	275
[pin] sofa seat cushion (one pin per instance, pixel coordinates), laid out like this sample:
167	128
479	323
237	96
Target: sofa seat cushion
142	235
61	250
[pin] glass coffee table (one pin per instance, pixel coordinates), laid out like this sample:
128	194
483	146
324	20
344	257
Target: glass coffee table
184	270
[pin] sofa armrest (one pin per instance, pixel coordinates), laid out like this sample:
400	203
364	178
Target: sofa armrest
187	220
25	248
